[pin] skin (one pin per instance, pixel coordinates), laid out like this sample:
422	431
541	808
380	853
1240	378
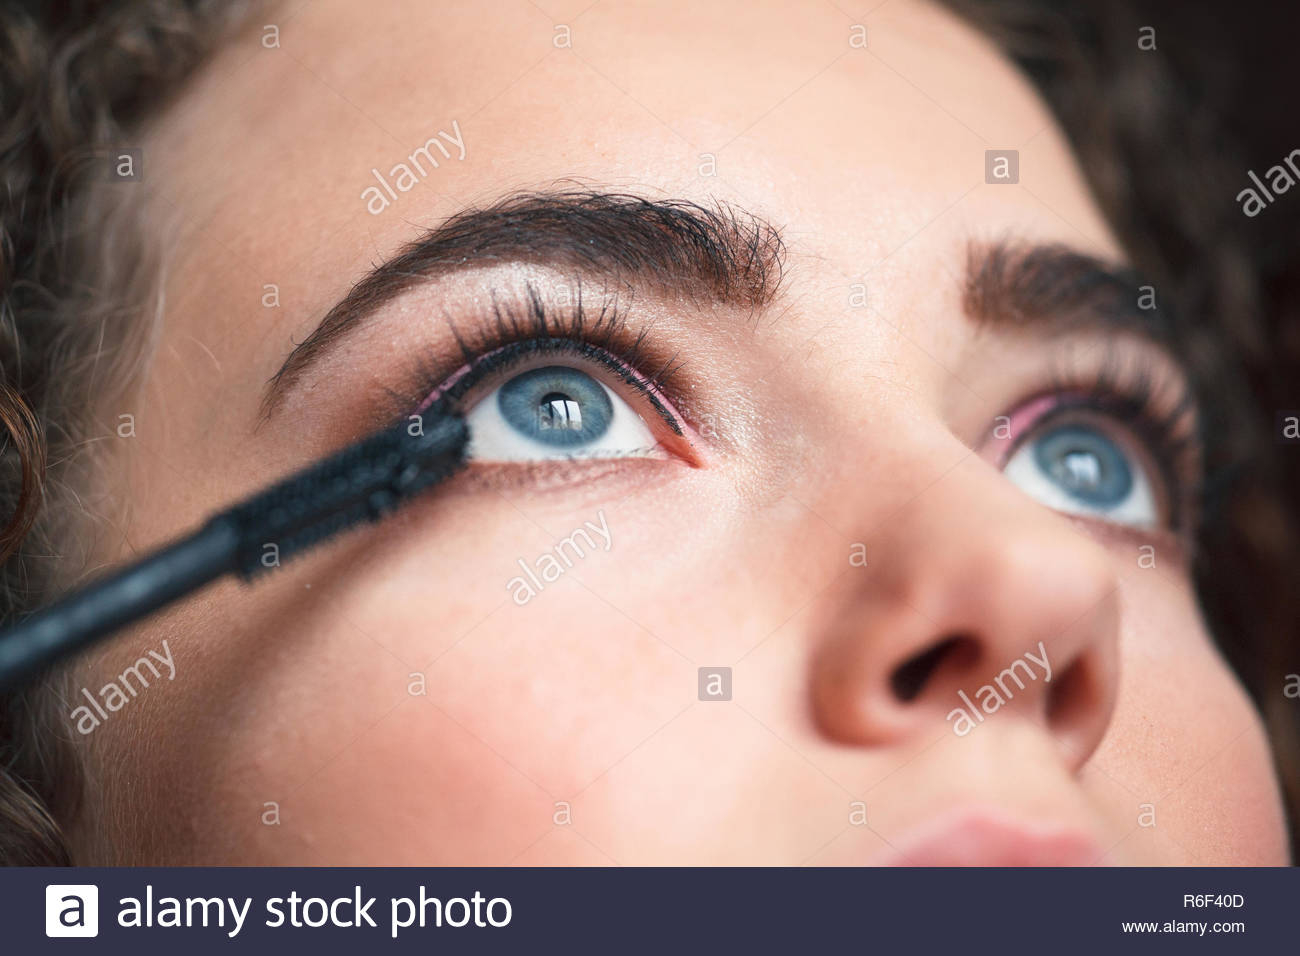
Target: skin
568	730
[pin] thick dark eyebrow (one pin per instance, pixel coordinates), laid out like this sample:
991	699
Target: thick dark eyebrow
1055	288
682	247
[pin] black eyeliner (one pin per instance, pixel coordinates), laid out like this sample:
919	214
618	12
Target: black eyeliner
512	334
508	356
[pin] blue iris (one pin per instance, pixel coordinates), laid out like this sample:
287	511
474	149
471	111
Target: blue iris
1086	464
557	406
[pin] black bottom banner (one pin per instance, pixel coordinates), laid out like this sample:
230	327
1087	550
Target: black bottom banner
201	910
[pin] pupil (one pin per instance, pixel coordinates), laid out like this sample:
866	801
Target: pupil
1080	470
559	411
1086	463
558	406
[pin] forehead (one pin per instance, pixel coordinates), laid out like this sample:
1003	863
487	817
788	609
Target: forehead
868	140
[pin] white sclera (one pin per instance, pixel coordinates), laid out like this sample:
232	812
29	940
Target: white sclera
492	438
1138	508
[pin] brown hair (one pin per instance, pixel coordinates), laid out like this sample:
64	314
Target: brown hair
76	281
1152	142
75	78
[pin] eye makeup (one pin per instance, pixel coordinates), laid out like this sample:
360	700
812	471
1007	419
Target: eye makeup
1142	406
1134	403
595	346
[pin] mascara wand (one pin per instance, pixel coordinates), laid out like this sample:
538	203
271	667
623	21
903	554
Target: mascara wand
363	482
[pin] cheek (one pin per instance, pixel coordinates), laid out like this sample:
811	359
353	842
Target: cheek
403	690
1185	766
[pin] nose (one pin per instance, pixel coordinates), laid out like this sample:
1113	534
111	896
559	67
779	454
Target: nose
975	599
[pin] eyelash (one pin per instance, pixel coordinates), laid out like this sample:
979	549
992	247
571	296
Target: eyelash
1129	394
1124	389
515	335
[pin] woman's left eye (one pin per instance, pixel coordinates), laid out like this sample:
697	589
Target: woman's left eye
556	412
1077	467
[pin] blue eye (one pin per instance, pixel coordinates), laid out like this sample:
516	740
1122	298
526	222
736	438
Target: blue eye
1078	468
557	406
556	411
1085	464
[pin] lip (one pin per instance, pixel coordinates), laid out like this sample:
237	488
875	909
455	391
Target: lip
980	838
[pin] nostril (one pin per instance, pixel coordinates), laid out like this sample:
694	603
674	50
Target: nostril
910	677
1072	696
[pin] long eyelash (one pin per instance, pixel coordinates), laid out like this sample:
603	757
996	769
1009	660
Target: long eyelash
515	334
1131	389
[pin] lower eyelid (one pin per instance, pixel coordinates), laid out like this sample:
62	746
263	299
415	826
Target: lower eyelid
560	475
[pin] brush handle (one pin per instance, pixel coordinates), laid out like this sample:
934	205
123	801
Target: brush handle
127	595
363	482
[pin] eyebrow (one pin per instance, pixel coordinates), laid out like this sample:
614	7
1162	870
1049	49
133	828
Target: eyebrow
718	251
1050	285
721	252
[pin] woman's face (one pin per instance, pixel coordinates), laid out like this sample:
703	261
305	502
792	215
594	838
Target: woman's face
864	551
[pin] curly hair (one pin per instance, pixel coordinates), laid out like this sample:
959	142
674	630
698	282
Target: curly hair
76	291
1152	145
78	302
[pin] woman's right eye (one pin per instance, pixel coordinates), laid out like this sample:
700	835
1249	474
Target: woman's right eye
556	412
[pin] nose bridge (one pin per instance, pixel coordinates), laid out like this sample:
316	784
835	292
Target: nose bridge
970	584
972	547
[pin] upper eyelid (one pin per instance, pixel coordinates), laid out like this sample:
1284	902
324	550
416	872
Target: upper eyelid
471	374
521	313
1133	375
1006	446
1127	410
719	251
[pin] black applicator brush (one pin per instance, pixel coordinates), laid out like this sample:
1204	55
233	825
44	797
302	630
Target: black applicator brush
363	482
